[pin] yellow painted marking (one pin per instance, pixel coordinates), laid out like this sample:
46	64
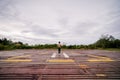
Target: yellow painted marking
98	56
15	57
83	66
100	59
60	60
17	60
100	75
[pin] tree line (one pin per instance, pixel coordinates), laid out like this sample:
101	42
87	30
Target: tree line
105	41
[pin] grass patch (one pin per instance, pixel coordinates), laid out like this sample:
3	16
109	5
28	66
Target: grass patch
112	49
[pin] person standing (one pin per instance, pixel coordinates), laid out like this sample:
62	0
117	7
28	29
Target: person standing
59	47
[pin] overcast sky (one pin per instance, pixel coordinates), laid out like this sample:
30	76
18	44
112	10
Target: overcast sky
50	21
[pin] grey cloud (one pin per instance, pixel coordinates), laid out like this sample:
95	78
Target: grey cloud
41	31
84	27
114	14
8	10
65	15
63	21
26	39
114	26
44	31
25	31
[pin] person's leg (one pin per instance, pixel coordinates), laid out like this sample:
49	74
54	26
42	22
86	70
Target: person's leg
58	50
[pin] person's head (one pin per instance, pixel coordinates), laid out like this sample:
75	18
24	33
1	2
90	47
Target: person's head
59	42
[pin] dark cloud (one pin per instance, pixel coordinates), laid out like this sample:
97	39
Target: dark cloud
8	10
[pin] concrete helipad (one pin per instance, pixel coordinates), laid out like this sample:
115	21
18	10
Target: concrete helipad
47	64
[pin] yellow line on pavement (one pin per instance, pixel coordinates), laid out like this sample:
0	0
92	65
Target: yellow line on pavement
100	59
97	56
15	57
100	75
17	60
60	60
